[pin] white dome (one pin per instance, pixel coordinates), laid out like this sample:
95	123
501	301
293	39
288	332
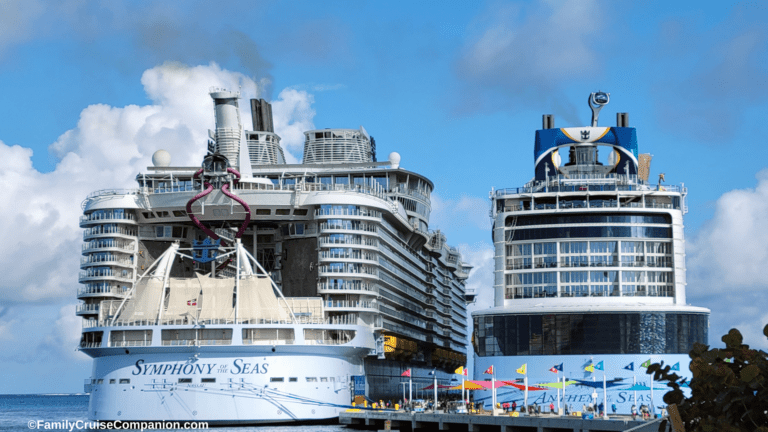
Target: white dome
161	158
394	159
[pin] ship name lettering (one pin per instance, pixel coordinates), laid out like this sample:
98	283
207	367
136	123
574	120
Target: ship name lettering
245	368
172	369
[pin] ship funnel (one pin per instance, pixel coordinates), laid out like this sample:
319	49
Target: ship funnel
261	113
548	121
228	126
622	119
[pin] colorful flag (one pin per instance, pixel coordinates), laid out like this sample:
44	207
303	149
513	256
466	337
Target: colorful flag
630	366
599	366
489	371
192	302
406	373
590	368
676	367
433	372
522	369
465	372
646	363
553	369
459	370
559	367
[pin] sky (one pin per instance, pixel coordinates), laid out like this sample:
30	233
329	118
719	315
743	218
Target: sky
91	89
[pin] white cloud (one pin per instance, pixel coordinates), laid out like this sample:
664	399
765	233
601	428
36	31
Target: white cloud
293	114
727	258
480	257
451	213
109	146
64	336
730	250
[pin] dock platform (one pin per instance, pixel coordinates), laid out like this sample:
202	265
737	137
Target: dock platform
406	421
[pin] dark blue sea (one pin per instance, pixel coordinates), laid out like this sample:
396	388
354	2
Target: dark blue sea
22	413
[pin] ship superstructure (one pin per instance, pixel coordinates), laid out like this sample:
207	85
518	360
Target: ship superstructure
589	271
216	297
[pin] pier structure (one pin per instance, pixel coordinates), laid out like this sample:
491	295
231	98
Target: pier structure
407	421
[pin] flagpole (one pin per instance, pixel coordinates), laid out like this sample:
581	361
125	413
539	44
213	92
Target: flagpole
652	410
410	388
564	392
558	394
526	388
605	398
434	371
634	383
493	389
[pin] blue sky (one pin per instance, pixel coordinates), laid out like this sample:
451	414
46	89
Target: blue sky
91	89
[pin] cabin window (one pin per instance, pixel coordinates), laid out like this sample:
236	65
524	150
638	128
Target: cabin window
293	379
124	381
185	380
208	380
275	379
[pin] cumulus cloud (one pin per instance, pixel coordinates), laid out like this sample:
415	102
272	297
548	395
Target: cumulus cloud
480	257
293	114
525	52
64	336
730	249
726	261
451	213
109	146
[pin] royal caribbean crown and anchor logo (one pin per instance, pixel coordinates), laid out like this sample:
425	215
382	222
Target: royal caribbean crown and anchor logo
206	250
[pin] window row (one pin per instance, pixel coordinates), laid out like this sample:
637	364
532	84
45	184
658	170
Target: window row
576	218
597	333
587	232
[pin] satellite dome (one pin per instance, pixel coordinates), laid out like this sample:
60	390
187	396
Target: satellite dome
161	158
394	159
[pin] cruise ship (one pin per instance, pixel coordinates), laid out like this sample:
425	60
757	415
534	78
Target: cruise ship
589	278
209	295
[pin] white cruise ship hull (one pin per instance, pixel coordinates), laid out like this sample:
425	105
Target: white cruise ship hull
221	387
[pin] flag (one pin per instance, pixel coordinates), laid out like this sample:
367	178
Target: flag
630	367
433	372
489	371
553	369
522	369
646	363
676	367
590	368
465	372
599	366
459	370
559	367
192	302
406	373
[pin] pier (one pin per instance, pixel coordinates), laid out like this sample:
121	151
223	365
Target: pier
405	421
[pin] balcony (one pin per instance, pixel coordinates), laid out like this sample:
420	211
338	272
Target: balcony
87	309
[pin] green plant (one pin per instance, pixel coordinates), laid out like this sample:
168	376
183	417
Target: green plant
729	388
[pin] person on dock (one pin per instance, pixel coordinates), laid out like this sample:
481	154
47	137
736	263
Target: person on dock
551	408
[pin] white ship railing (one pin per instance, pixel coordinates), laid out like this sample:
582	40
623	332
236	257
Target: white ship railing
338	320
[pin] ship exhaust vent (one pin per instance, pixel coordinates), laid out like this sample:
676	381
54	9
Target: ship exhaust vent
261	113
548	121
622	119
263	144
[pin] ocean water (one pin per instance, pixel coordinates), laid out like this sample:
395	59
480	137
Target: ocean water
17	411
